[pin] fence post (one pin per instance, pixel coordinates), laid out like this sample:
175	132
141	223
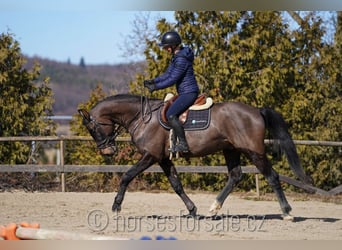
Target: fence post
61	162
257	185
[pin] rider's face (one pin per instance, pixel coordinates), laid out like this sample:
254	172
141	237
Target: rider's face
168	49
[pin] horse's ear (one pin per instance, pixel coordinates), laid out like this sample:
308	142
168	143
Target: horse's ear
84	113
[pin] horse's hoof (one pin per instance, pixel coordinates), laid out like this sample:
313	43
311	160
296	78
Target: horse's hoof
214	208
288	217
116	208
193	212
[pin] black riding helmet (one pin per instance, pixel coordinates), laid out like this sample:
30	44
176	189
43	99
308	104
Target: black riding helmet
170	38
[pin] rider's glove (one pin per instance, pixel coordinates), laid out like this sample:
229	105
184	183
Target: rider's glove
149	84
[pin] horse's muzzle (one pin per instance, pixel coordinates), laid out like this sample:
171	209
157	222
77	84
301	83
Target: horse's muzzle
108	150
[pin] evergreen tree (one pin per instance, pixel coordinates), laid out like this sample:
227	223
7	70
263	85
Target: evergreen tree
25	103
314	106
82	62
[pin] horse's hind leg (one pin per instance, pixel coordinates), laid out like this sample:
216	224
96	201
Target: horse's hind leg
272	177
171	173
232	158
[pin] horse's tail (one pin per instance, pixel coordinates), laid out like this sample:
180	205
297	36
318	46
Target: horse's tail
276	124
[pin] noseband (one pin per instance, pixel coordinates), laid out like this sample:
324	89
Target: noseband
109	141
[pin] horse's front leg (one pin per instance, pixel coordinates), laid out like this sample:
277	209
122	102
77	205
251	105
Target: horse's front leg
171	173
146	161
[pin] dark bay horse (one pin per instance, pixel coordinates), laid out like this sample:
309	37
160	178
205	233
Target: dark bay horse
235	128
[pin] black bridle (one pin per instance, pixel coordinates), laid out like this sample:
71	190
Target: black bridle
109	141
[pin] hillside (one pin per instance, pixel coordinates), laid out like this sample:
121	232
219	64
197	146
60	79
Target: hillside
71	84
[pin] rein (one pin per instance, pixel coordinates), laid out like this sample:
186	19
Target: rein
145	111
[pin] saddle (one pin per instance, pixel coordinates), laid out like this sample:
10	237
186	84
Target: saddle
201	103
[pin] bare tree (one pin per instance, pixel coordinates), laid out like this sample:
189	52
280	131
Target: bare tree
143	30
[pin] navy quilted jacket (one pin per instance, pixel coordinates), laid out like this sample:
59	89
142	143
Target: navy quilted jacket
179	72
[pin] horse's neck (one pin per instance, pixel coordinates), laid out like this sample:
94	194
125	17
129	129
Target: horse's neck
126	113
130	114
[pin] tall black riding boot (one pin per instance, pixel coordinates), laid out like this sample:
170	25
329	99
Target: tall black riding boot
178	129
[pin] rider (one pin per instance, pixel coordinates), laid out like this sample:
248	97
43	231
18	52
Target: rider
179	72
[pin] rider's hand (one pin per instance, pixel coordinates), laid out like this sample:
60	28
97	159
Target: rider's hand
149	84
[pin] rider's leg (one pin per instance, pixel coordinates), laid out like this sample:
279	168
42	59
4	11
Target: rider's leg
178	129
182	103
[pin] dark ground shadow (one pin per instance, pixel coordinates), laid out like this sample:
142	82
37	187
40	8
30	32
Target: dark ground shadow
245	216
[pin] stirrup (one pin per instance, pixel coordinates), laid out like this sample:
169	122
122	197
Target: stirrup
181	148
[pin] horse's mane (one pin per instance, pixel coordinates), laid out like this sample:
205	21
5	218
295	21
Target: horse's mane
122	97
125	98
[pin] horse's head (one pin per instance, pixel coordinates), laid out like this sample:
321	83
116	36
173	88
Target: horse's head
103	131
